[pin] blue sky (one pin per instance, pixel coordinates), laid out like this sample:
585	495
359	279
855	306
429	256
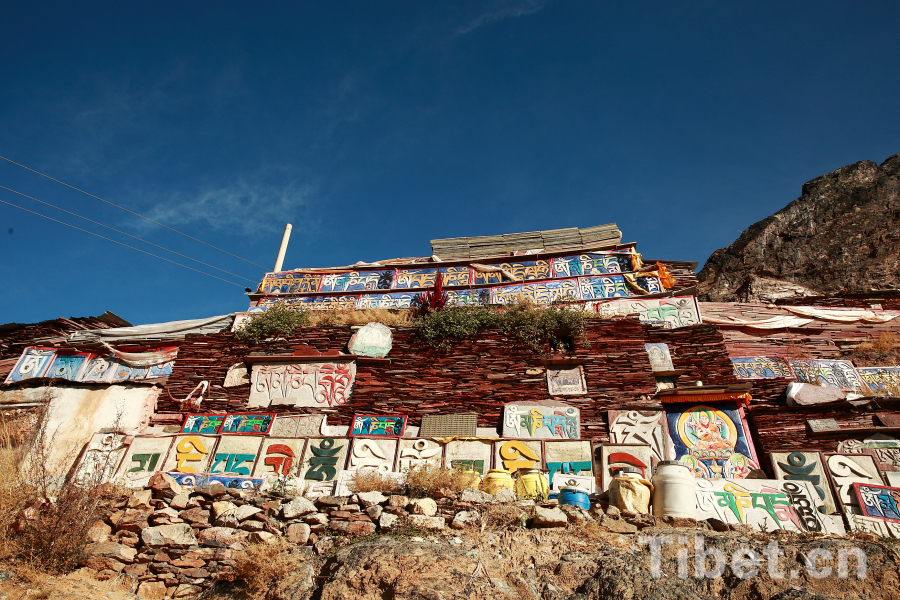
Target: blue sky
374	127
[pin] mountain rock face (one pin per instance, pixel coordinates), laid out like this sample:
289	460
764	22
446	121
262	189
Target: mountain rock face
842	233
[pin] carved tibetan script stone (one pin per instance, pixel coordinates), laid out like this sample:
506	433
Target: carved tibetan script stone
566	381
315	384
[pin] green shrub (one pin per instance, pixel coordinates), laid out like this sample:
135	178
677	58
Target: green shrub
276	320
535	328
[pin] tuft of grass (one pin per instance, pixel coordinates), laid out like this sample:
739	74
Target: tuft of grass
423	480
260	566
390	317
886	342
370	480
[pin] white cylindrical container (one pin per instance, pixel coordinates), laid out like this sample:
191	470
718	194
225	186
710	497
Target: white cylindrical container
674	491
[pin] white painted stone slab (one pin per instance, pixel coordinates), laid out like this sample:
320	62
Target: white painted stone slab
279	456
468	450
235	455
191	454
324	458
369	453
574	451
543	420
419	452
763	504
517	454
145	456
101	458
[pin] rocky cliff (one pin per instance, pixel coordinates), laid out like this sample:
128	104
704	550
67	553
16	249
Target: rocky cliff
842	233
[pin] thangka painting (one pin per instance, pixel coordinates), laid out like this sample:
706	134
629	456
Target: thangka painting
761	367
878	501
836	373
255	423
378	426
205	424
711	439
32	363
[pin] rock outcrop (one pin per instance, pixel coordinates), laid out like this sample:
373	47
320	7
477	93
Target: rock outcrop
842	233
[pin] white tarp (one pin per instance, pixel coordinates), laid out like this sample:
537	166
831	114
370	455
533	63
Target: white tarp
772	323
144	359
172	329
846	316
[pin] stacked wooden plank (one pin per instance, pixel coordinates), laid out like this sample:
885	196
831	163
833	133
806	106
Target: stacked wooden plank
550	239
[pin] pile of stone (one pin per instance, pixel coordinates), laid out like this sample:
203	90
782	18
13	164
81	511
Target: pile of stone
174	541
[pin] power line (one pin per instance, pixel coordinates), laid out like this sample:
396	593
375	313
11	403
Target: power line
130	211
120	243
128	234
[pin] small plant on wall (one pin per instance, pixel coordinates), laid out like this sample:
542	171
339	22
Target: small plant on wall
276	320
538	329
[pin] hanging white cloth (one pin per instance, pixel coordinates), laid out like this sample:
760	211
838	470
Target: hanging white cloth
846	316
144	359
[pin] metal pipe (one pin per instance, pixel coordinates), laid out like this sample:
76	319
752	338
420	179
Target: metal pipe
283	248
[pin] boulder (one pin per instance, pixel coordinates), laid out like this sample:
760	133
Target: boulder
245	512
216	490
316	519
298	507
163	482
354	527
223	535
298	533
422	506
465	518
387	521
134	519
332	500
179	535
110	550
549	517
575	514
180	501
104	563
368	499
152	590
618	525
223	508
263	537
374	512
186	590
195	515
99	532
505	496
397	501
253	525
427	522
140	499
470	495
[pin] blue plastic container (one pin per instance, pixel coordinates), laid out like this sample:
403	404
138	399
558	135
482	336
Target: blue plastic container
574	497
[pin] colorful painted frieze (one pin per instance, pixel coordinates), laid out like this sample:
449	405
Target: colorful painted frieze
325	458
394	301
247	423
32	363
836	373
884	448
616	286
881	380
190	454
639	427
469	455
99	369
202	424
671	313
763	504
368	453
878	501
468	297
229	481
525	270
290	283
313	384
121	371
550	420
614	457
543	293
279	457
161	370
145	456
567	380
518	454
68	366
310	302
378	426
373	340
847	469
235	456
352	281
761	367
805	465
415	453
591	264
711	439
426	277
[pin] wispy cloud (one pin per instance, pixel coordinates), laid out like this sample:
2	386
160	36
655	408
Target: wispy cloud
499	10
243	207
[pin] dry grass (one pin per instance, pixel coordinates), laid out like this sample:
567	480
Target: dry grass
397	318
498	517
262	565
886	342
423	480
370	480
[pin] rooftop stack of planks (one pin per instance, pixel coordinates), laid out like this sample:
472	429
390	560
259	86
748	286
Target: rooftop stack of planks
551	239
